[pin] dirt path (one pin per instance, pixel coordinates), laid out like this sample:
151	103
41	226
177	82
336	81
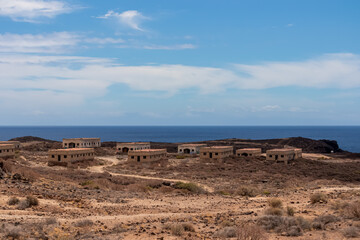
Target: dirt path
114	160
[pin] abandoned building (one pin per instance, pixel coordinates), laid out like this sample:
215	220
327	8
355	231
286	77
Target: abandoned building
190	148
282	154
298	153
147	155
16	144
126	147
248	152
71	155
7	151
81	143
216	152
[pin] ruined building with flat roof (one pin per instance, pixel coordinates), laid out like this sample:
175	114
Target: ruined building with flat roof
70	155
190	148
281	155
248	152
126	147
7	151
147	155
216	152
16	144
81	142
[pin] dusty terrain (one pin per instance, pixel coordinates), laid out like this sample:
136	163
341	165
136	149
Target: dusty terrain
316	197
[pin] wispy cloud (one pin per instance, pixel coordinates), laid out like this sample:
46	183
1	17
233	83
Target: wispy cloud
131	19
102	41
41	43
33	10
169	47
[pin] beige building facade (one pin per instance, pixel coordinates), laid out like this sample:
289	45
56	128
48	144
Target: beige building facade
190	148
216	152
7	151
72	154
147	155
81	142
126	147
248	152
16	144
282	155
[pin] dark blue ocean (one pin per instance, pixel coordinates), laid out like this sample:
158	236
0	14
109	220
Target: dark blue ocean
348	138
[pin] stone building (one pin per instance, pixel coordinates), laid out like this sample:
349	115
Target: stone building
81	142
7	151
126	147
16	144
147	155
71	155
190	148
298	153
282	154
248	152
216	152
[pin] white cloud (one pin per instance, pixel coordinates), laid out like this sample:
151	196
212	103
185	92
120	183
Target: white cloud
81	78
32	10
103	41
131	19
41	43
328	71
170	47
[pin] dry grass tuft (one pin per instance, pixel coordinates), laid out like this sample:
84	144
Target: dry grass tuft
318	198
351	232
250	231
275	203
13	201
191	187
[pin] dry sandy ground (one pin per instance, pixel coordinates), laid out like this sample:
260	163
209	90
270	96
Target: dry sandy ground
82	204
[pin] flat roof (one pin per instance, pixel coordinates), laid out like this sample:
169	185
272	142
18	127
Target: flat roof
248	149
80	138
219	147
148	150
192	144
6	145
70	149
281	150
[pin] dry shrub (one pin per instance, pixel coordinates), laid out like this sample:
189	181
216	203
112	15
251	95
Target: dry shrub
178	229
13	233
118	228
275	203
290	211
274	211
353	210
291	226
32	201
339	205
351	232
191	187
320	222
247	191
13	201
50	221
84	223
250	232
318	198
226	232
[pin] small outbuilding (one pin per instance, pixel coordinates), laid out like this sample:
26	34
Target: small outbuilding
190	148
126	147
216	152
81	142
248	152
71	155
298	153
16	144
282	155
147	155
7	151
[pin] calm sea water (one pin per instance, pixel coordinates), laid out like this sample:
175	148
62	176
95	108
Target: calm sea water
348	138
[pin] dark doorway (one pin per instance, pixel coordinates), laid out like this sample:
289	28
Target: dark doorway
186	150
210	155
276	157
125	149
71	145
138	158
59	158
244	154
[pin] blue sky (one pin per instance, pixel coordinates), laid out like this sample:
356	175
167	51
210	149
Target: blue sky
253	62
